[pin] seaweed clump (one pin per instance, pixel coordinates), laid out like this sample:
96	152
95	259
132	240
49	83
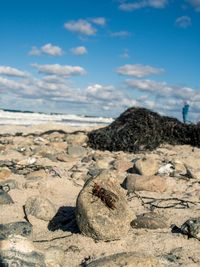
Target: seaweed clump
141	129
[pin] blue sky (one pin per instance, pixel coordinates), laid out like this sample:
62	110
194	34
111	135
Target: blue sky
99	57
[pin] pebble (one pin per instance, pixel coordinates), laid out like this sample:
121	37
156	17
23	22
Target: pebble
146	166
150	220
40	207
76	151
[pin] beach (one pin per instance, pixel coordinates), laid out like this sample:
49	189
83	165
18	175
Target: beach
44	168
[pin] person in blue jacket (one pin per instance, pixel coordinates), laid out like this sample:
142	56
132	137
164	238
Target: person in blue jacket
185	111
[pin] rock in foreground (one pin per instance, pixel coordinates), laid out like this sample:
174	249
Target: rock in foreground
103	214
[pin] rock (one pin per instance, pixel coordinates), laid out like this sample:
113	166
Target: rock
77	139
112	221
19	251
150	220
16	228
54	257
4	173
122	165
76	151
179	167
126	259
59	146
153	183
5	198
191	228
40	207
102	164
146	166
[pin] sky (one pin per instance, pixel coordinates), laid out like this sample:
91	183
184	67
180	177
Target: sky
100	57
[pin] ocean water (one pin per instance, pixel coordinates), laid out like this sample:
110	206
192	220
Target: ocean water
10	117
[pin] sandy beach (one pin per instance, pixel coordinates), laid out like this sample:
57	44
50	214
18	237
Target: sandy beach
42	171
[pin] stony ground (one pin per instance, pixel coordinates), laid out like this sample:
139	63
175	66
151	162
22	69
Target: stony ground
41	175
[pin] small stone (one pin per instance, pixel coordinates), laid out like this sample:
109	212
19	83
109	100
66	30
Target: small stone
191	228
150	220
109	223
122	165
153	183
126	259
76	151
167	169
62	157
15	228
40	207
5	198
19	251
4	173
146	166
77	139
102	164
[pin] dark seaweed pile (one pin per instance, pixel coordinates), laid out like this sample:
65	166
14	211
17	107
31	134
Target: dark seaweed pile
141	129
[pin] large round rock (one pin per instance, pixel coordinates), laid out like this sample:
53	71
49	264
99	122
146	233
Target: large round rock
102	210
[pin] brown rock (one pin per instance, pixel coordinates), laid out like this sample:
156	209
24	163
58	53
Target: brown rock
77	139
146	166
5	173
152	183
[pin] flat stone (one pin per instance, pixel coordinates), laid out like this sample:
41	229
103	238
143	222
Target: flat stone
16	228
39	173
112	221
40	207
76	151
146	166
5	198
102	163
126	259
153	183
150	220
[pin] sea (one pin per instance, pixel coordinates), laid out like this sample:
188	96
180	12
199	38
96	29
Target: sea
18	117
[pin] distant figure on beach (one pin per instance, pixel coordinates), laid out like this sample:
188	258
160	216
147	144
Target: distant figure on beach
185	111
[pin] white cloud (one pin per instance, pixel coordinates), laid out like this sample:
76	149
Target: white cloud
138	70
120	34
164	90
195	4
80	26
99	21
143	4
79	51
9	71
52	50
60	70
48	49
183	22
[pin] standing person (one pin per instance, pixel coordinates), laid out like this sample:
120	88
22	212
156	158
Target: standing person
185	111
